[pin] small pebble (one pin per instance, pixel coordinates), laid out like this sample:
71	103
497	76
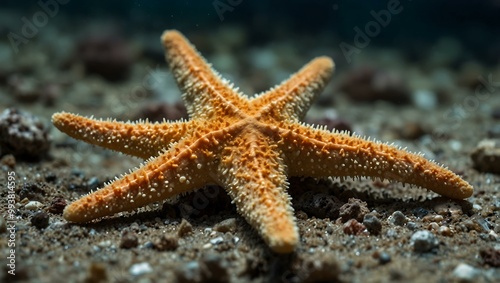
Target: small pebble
353	227
445	231
216	241
466	273
491	256
398	218
189	273
40	220
227	225
185	228
384	258
214	268
353	209
486	156
140	269
167	243
97	273
372	224
424	241
33	205
57	205
420	212
411	225
128	239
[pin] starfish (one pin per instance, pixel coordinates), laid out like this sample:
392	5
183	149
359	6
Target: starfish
247	145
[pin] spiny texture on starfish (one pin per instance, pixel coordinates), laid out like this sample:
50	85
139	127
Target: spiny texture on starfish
246	145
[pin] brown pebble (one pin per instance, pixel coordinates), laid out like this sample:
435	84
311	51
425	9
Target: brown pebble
370	84
411	131
128	239
97	273
40	220
491	257
185	228
57	205
324	268
8	160
353	227
353	209
486	156
227	225
167	243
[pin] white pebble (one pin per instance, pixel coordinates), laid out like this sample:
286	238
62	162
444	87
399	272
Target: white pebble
33	205
140	268
466	273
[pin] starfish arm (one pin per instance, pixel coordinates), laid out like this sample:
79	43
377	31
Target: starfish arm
254	176
137	139
320	153
292	98
204	90
172	173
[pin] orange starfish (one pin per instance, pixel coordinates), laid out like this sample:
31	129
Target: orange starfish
246	145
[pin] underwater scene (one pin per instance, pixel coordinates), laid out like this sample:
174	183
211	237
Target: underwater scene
249	141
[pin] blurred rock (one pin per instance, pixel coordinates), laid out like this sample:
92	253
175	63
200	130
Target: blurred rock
486	156
22	135
107	55
424	241
354	209
368	84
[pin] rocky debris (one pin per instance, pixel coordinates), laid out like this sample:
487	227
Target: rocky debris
8	160
128	239
107	55
32	191
319	204
423	241
353	227
398	218
382	257
353	209
372	224
40	220
185	228
227	225
210	268
30	90
368	84
491	256
324	268
167	243
57	205
486	156
22	135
